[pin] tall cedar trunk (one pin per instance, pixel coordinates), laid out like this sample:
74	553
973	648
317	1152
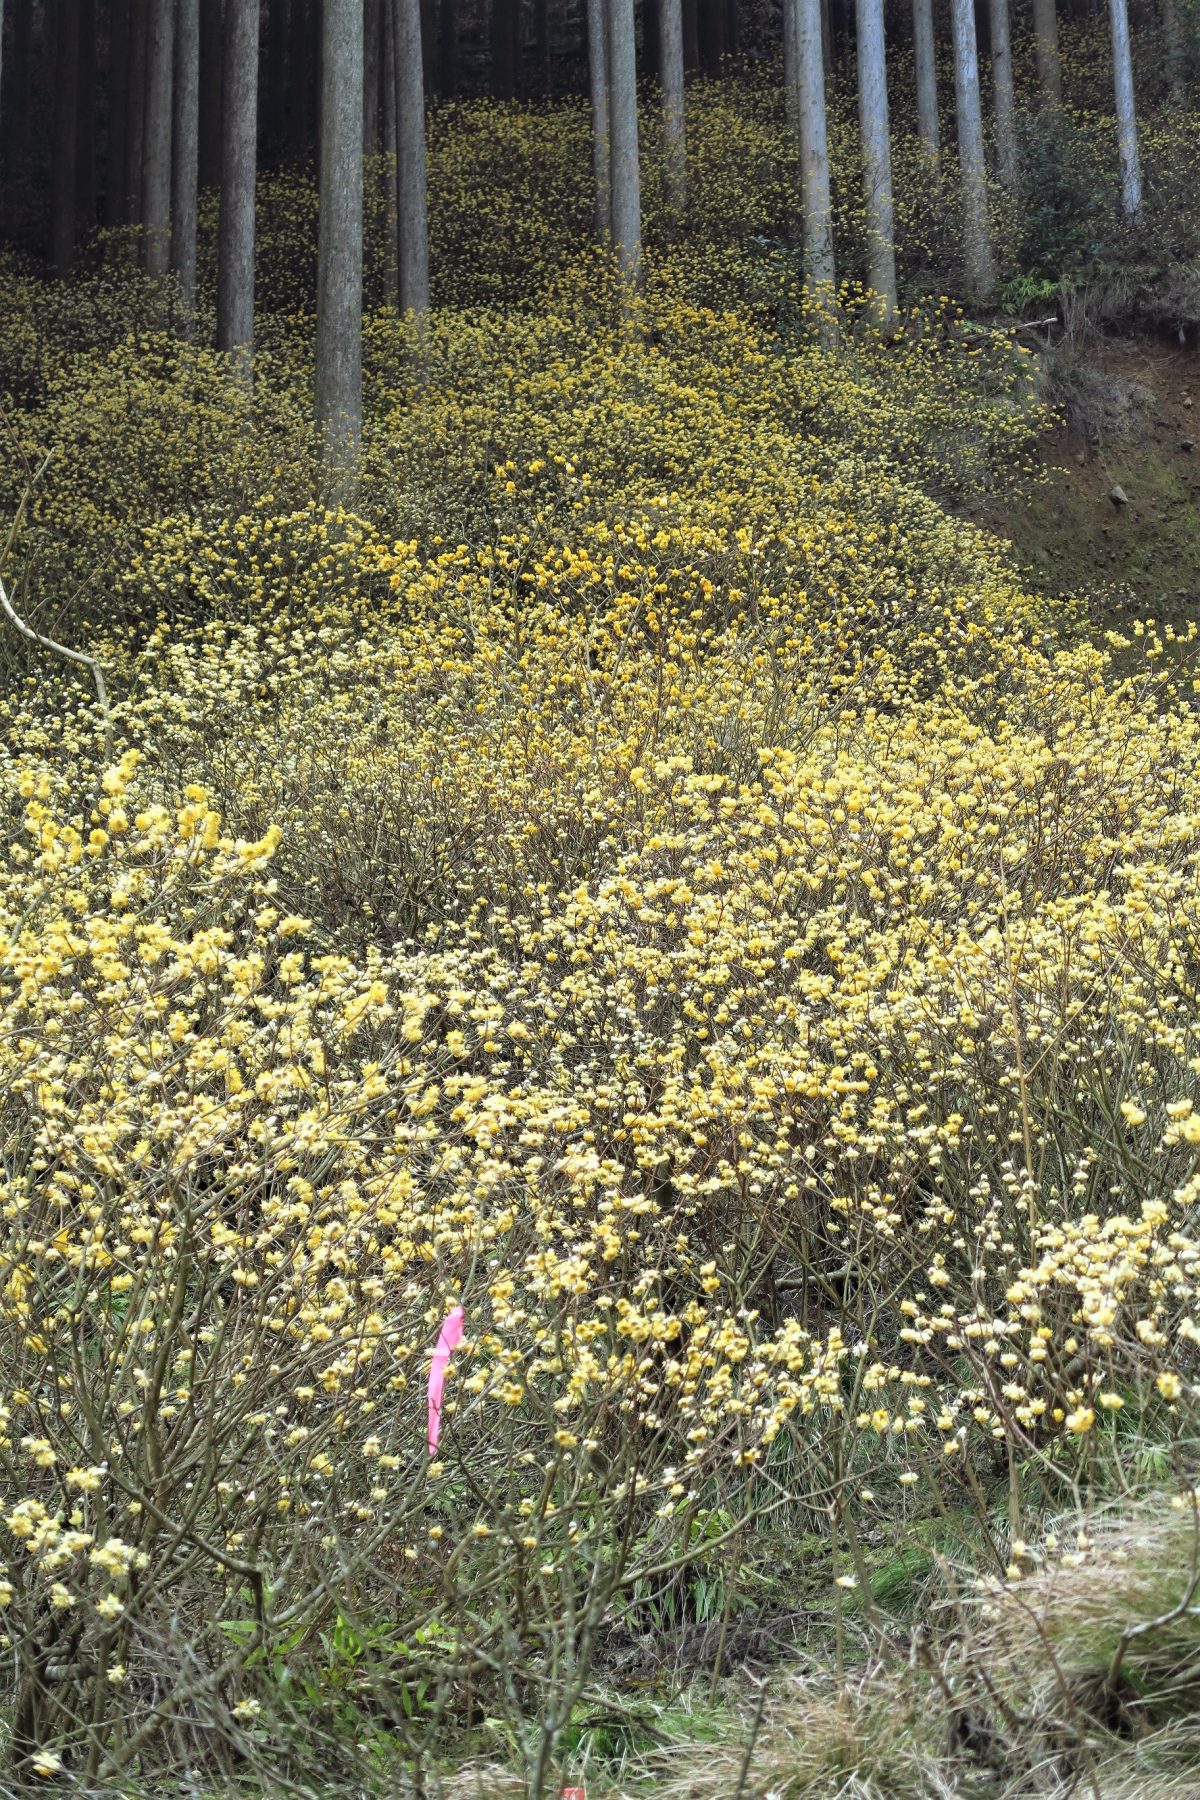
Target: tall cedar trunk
185	154
504	48
448	48
159	77
597	35
118	112
651	63
135	133
20	86
411	200
541	46
876	153
278	30
925	56
1173	44
691	36
814	153
978	261
429	44
713	45
66	121
85	124
302	119
670	62
387	110
1045	43
340	245
625	175
1002	93
212	82
239	142
1127	131
370	78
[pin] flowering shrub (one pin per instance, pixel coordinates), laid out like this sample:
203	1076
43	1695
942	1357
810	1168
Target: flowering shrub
654	877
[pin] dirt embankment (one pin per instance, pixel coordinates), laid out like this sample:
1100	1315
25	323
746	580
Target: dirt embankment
1117	517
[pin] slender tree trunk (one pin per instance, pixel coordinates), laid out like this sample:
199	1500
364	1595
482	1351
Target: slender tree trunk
63	211
1002	94
387	109
504	48
670	62
429	44
16	125
185	154
877	154
925	56
135	133
159	77
448	48
85	127
370	77
278	32
212	82
239	145
411	197
980	268
340	245
598	87
1045	43
625	175
814	154
691	36
1173	43
1127	131
118	111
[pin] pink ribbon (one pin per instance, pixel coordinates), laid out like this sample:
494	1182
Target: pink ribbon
449	1338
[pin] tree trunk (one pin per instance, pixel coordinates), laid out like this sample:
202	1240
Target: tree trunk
691	36
1045	43
63	214
135	133
980	268
185	154
1002	93
925	56
159	76
670	62
1127	131
1173	44
597	36
387	110
278	32
212	81
504	48
239	144
85	125
814	154
877	155
370	78
624	173
340	245
16	127
118	114
411	198
448	48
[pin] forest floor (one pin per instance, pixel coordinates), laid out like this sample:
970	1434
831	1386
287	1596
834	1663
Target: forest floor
1130	426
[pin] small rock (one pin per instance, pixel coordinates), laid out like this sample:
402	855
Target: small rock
1118	496
1188	444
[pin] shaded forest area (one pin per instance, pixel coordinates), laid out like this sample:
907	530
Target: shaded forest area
599	1014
